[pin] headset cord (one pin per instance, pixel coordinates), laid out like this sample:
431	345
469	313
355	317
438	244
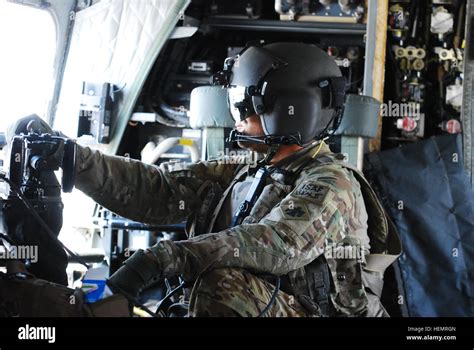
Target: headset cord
273	298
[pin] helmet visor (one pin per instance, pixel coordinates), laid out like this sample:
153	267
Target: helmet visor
240	104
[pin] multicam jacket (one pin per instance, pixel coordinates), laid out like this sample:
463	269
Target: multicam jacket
320	215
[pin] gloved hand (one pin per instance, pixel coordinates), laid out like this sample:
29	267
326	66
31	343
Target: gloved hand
21	126
61	155
138	272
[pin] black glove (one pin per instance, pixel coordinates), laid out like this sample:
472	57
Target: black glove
20	126
138	272
63	154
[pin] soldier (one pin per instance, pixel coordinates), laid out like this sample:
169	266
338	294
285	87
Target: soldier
308	207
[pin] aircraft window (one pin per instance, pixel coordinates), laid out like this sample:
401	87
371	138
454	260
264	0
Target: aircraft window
28	46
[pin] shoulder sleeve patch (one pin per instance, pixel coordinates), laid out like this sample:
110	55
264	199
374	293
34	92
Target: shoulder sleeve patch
312	192
294	210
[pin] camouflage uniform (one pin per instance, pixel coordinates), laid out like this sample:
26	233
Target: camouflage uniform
289	229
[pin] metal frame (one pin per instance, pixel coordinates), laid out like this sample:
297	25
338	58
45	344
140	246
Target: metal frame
282	26
467	112
63	14
353	147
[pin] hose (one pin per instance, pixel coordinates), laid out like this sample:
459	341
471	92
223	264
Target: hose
151	156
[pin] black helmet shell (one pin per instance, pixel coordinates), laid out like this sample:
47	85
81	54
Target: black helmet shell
286	75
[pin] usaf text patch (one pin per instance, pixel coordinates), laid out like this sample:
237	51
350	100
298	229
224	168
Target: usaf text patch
313	192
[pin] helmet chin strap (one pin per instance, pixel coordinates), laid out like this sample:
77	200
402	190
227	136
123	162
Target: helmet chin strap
272	150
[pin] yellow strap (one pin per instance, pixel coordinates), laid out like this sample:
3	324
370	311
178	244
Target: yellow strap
319	149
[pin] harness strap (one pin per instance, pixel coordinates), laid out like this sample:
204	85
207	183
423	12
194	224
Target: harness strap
229	188
320	284
254	191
